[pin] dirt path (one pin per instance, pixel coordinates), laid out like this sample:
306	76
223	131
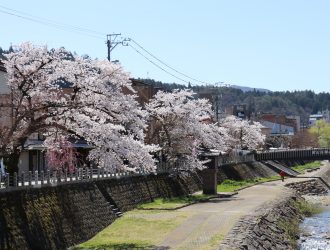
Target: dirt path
211	221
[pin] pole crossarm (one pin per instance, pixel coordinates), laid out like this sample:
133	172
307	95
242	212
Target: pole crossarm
112	42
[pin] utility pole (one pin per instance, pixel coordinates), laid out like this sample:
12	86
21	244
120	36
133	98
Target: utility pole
217	100
112	43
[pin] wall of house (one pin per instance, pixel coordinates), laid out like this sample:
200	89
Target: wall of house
3	83
278	128
4	99
23	162
61	216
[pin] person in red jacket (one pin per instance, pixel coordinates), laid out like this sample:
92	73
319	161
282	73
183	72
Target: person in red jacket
282	174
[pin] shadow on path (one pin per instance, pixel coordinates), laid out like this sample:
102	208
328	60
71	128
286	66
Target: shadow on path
123	246
223	200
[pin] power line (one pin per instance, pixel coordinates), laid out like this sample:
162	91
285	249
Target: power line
50	23
111	43
162	62
155	64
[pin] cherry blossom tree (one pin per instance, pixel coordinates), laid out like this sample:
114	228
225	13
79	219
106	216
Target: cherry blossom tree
82	97
60	154
181	125
244	134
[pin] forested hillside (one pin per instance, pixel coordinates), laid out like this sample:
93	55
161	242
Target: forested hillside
302	103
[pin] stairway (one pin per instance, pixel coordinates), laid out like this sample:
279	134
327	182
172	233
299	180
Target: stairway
278	168
113	206
115	210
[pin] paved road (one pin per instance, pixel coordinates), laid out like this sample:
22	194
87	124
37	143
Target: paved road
217	217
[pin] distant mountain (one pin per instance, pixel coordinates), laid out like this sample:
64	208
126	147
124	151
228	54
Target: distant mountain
248	89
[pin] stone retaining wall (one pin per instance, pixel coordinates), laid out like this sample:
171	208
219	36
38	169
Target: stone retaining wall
326	172
243	171
61	216
263	230
309	187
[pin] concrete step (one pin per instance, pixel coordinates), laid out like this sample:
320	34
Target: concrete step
119	214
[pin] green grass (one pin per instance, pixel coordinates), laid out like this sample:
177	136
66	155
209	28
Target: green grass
233	185
145	229
311	165
291	227
174	202
291	230
137	229
307	209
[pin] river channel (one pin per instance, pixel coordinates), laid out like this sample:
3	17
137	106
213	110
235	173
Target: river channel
316	229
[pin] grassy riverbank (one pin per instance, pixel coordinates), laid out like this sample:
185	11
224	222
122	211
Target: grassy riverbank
307	166
234	185
144	229
225	186
174	202
136	229
291	227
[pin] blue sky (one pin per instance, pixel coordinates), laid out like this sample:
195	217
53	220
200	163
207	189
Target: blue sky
272	44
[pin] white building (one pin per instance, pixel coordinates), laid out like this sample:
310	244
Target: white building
324	115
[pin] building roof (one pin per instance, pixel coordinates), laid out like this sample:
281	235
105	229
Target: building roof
316	116
32	144
137	82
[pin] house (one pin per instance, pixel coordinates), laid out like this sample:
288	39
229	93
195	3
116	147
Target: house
3	81
144	93
313	118
278	128
215	98
5	97
323	115
32	158
143	90
266	131
241	111
280	124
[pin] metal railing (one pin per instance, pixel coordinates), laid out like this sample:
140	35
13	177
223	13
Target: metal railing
229	159
286	154
51	178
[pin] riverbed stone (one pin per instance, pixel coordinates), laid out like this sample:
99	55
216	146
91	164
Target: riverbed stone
309	187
